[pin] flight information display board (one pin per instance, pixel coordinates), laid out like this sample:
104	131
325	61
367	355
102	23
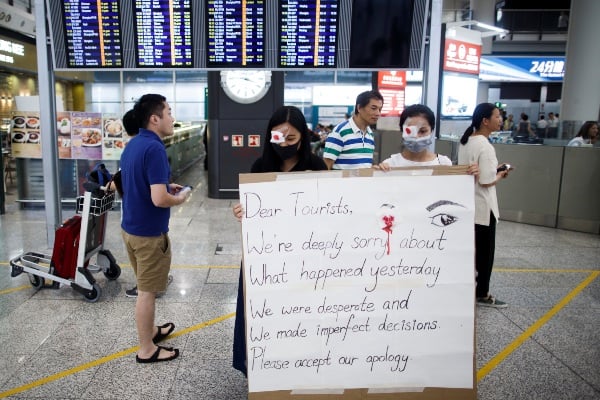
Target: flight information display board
92	33
235	31
163	33
308	33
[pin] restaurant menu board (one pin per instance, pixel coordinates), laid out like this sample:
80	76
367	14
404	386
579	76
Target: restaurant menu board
63	130
25	135
235	32
92	33
163	33
115	138
86	135
308	33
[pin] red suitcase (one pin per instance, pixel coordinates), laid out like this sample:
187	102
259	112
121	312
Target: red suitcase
66	248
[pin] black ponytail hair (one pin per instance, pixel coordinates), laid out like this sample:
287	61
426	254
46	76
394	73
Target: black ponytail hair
483	110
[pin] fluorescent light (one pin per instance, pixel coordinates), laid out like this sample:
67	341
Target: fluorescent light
490	27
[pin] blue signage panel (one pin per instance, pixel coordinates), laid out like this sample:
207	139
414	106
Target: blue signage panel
522	69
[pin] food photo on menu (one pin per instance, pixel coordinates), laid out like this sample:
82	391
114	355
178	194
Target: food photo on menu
86	135
26	135
113	138
63	129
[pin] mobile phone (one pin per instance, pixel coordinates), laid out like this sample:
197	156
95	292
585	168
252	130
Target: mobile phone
503	167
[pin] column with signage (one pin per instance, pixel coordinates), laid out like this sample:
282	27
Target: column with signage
462	52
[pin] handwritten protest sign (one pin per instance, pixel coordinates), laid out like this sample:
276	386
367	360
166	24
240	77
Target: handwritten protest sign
359	282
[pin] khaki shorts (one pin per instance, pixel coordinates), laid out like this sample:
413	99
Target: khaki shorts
150	257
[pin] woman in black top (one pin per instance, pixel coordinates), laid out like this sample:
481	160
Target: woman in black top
293	152
286	149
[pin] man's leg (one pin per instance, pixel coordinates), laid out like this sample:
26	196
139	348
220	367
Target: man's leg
144	318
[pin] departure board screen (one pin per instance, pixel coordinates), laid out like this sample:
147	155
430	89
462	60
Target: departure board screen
92	33
163	33
308	33
236	33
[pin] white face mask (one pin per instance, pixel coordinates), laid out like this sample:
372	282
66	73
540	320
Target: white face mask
412	141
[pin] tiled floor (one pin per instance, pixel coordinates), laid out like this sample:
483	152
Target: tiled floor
54	345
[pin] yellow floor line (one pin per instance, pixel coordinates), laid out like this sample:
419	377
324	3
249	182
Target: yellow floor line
486	369
14	289
103	360
497	268
181	266
494	362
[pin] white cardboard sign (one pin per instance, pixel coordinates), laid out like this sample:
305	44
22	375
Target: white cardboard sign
359	282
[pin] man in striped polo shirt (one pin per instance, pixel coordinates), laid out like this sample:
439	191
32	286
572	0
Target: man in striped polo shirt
351	144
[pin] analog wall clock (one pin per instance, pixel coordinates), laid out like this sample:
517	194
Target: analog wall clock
245	86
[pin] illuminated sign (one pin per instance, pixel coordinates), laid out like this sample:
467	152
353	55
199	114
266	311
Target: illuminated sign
462	56
391	85
522	69
7	46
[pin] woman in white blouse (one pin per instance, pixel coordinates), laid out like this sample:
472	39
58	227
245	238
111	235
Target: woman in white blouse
475	147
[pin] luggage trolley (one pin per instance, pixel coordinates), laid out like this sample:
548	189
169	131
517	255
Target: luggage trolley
76	241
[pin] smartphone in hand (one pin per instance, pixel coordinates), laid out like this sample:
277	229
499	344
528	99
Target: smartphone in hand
504	167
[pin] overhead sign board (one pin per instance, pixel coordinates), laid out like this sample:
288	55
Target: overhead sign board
462	56
522	69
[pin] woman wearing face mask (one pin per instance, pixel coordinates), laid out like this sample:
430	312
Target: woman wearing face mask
417	123
287	149
287	144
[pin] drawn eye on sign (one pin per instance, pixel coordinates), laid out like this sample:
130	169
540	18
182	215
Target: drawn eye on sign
443	212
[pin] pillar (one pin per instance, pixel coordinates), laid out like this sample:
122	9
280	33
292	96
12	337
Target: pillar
580	99
484	11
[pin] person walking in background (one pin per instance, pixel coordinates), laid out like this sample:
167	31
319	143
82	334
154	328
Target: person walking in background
587	135
351	143
509	123
286	149
541	126
552	120
475	147
542	123
524	127
147	198
563	21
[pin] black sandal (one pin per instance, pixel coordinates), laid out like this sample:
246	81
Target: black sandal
154	358
161	336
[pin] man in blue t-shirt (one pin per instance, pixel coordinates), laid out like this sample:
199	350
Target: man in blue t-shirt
147	198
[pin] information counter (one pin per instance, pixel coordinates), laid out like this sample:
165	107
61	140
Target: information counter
554	186
184	148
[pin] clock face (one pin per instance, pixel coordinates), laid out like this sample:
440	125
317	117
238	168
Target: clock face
246	86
